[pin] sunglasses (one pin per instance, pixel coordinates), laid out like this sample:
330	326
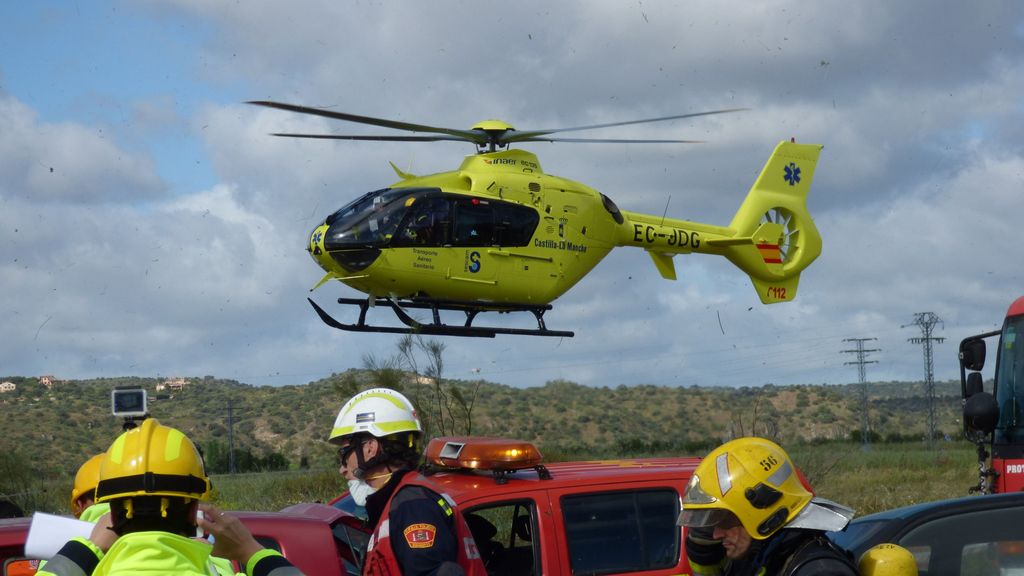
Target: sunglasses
346	450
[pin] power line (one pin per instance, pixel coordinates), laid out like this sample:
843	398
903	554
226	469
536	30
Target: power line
861	361
926	321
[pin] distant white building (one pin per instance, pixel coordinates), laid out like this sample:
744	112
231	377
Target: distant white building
7	387
172	384
48	381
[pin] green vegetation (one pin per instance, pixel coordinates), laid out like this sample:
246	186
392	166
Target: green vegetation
45	434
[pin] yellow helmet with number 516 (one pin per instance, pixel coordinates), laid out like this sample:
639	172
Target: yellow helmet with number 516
754	480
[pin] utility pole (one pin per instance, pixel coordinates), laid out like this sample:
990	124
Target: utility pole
926	321
861	361
231	437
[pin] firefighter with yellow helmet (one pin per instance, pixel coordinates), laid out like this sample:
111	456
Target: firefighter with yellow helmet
415	530
747	512
83	494
153	478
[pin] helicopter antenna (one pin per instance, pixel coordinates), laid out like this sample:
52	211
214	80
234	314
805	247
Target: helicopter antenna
666	209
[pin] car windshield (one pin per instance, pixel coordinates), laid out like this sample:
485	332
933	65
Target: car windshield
1010	383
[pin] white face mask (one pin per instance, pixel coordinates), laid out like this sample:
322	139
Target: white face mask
359	490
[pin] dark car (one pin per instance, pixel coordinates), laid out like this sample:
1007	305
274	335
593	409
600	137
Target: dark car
976	535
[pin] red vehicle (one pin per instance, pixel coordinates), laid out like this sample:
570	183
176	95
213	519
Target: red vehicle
317	538
995	421
595	517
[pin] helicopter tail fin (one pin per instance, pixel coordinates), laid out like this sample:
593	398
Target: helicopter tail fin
776	239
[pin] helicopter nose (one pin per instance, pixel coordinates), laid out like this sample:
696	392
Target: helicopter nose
316	240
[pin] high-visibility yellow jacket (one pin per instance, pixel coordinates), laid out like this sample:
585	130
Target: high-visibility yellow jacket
154	553
95	512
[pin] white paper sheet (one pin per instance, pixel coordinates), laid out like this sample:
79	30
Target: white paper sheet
48	533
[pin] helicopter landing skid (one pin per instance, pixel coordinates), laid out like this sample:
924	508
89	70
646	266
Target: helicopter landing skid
436	327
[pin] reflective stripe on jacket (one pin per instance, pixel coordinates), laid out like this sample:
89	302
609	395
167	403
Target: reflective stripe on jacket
157	553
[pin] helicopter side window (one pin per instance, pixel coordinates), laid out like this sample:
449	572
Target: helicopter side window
514	225
474	223
427	224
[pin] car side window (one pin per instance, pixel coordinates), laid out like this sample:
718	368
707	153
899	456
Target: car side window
971	544
504	537
626	531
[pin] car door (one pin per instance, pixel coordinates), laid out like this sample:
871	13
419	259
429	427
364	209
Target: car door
620	531
968	543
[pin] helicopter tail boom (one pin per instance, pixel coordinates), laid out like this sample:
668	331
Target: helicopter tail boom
772	237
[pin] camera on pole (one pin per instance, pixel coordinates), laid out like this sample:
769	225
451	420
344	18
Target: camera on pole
129	403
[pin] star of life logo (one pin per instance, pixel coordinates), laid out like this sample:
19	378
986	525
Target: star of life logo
792	174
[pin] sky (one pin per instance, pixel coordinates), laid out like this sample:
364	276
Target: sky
151	226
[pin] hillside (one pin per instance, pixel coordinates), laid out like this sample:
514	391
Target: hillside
280	427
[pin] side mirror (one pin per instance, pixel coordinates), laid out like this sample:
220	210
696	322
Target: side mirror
981	413
974	384
972	354
20	567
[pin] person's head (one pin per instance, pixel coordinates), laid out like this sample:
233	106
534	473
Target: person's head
153	478
887	560
378	432
83	493
746	489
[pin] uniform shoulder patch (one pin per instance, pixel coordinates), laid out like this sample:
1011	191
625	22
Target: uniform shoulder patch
420	535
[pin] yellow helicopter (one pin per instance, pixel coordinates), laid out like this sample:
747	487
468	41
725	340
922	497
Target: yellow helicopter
500	235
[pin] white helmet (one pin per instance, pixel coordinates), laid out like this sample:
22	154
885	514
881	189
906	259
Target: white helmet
379	412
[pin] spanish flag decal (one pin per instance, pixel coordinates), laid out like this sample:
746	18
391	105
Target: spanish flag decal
770	253
420	535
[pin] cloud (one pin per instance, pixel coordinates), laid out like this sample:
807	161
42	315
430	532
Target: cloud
67	162
117	261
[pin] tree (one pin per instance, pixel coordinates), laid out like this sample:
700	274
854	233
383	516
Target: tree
444	407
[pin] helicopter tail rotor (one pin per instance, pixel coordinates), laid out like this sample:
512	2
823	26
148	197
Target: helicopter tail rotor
783	239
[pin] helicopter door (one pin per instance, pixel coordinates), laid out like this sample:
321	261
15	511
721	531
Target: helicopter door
473	236
428	225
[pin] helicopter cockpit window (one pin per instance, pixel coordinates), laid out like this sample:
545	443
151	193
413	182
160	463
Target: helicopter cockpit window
428	223
369	221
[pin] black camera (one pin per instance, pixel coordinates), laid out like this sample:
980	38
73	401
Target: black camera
128	402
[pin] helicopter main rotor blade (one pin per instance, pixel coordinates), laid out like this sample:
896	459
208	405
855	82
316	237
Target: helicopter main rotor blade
372	138
525	135
467	135
612	141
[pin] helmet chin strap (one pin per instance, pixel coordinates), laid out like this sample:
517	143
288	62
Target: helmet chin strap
363	466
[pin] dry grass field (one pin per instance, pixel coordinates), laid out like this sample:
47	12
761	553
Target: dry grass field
886	476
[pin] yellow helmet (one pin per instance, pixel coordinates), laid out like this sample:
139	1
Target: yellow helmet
887	560
152	460
86	479
753	479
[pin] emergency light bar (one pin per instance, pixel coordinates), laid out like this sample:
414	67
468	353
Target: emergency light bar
495	454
